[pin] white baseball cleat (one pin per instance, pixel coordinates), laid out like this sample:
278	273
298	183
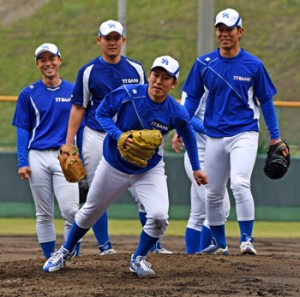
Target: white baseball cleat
107	252
246	246
141	267
161	250
214	249
57	260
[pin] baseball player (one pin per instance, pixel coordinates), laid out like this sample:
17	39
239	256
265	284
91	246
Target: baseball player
197	234
41	119
135	107
233	82
94	80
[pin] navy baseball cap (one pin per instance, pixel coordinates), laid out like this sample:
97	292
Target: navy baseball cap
229	17
47	47
168	63
110	26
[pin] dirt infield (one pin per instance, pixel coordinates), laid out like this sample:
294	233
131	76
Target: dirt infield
274	272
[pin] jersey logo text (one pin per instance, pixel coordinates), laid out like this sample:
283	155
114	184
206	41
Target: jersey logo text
61	99
241	78
130	80
159	126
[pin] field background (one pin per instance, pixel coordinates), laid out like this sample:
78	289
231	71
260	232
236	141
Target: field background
21	226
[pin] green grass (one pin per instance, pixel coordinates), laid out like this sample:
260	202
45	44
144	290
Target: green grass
153	28
20	226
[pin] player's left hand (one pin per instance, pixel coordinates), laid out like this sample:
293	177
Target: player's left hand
200	177
284	152
177	144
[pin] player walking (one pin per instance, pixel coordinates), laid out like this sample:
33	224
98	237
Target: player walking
197	233
94	80
232	81
41	118
135	107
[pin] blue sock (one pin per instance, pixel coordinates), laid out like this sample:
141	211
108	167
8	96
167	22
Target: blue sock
48	248
75	234
143	220
192	240
246	228
77	248
206	238
100	229
218	232
146	242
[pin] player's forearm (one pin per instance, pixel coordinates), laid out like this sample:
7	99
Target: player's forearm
269	114
104	115
189	139
198	125
22	145
75	119
109	126
191	104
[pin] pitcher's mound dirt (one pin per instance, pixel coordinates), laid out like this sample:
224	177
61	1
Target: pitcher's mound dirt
275	271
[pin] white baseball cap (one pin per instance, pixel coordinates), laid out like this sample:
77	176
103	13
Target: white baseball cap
110	26
229	17
47	47
168	63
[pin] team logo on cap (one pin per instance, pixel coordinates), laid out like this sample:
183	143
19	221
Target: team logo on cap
165	61
225	15
111	25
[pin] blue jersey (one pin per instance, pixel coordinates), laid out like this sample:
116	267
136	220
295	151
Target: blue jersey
98	78
232	88
44	113
130	108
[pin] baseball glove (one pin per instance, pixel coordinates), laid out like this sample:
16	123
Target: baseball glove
70	163
144	144
276	165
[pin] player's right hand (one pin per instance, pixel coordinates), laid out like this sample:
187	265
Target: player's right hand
200	177
177	144
24	172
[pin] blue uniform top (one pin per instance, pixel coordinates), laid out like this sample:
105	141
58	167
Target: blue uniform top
130	108
97	78
232	88
44	112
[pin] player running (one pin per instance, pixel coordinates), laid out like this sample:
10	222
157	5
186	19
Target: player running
232	81
94	80
135	107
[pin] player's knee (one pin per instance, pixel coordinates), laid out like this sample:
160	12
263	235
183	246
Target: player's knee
44	220
214	194
160	227
156	226
69	214
240	184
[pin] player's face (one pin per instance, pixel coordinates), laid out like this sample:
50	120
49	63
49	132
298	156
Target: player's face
228	38
48	64
111	46
160	84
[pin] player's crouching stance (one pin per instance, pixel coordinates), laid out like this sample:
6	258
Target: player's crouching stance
125	164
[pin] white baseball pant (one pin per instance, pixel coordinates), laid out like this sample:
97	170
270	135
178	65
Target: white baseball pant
46	182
